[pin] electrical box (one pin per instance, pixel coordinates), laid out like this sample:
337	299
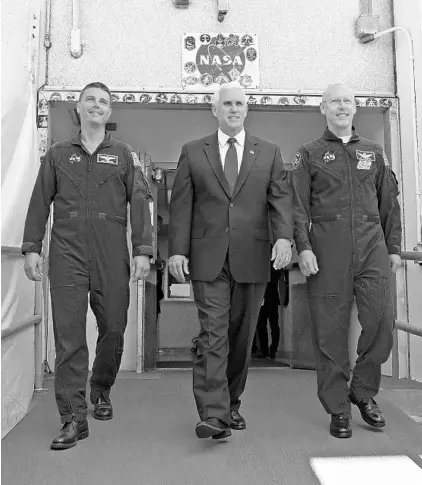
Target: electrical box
367	24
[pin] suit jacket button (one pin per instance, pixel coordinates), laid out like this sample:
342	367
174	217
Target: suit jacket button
231	205
227	229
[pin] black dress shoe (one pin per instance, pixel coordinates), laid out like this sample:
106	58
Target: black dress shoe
103	409
212	427
340	426
224	434
370	412
70	434
237	421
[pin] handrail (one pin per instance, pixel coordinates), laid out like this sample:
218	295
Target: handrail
409	328
12	250
22	325
411	255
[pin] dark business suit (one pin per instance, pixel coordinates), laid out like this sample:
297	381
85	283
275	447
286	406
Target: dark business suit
227	240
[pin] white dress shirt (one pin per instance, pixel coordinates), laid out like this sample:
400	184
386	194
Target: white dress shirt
223	146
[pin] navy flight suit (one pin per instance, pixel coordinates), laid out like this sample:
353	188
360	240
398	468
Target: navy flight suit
347	213
88	254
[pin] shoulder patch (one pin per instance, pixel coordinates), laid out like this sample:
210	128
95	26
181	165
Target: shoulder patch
384	156
136	161
297	161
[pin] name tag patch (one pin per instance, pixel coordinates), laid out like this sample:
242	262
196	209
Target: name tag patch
109	159
365	159
364	165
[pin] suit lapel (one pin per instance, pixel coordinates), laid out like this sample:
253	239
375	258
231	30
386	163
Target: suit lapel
213	155
249	155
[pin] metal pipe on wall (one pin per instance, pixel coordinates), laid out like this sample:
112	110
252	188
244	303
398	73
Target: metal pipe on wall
75	35
412	80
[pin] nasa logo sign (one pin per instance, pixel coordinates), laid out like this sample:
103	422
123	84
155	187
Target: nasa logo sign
220	58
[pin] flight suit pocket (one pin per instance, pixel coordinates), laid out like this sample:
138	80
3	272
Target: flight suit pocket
198	233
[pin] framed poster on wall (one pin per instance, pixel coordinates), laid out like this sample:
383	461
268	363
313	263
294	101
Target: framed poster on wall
212	59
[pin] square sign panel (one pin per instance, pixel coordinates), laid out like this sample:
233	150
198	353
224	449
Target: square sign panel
210	59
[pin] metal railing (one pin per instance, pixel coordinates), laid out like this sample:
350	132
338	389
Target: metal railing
405	326
32	321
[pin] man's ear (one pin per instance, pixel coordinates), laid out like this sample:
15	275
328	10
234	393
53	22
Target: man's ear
214	110
78	107
322	108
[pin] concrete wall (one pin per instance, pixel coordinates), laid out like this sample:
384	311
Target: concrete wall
304	44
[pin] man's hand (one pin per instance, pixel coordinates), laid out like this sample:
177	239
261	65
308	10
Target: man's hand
308	263
395	262
282	253
178	266
33	266
140	268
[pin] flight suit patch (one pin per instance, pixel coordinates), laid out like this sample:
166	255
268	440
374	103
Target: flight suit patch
384	157
328	157
109	159
136	161
75	158
297	161
365	159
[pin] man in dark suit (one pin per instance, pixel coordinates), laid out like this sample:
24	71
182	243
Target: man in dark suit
228	189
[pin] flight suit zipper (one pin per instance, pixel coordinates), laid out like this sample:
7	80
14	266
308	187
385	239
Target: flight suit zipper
352	199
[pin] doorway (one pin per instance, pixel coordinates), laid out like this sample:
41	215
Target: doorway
160	131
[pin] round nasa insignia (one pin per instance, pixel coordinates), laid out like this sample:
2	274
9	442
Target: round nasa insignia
266	100
191	80
247	40
328	157
246	81
161	98
136	161
205	39
251	54
175	99
56	97
190	43
296	161
128	98
233	40
145	98
300	99
206	79
190	67
191	99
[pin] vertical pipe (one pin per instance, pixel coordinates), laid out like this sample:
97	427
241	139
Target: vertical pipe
38	343
75	36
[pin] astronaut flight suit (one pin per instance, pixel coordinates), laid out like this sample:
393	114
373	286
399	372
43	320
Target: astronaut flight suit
88	254
347	213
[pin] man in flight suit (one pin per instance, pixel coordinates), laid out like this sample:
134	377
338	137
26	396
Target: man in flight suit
348	236
90	179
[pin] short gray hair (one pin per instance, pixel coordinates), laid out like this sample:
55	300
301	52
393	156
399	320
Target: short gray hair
231	84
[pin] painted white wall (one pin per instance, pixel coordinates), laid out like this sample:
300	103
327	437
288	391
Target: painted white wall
409	15
304	44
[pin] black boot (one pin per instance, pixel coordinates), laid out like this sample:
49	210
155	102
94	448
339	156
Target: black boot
71	432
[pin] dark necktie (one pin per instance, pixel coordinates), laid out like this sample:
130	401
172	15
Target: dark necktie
230	164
